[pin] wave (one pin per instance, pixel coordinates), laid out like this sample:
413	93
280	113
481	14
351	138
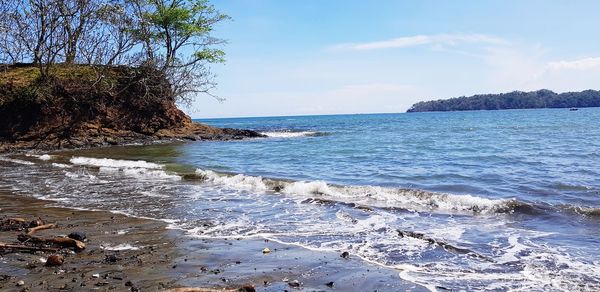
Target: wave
115	163
363	196
16	161
139	169
367	197
292	134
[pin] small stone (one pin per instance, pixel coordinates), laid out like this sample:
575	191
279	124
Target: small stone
21	283
345	255
330	284
128	284
294	284
96	276
55	260
78	235
111	258
266	250
247	288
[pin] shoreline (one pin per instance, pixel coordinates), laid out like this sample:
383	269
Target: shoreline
169	259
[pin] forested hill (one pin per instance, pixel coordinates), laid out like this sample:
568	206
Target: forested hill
513	100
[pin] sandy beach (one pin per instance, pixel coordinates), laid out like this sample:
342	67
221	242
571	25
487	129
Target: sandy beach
132	254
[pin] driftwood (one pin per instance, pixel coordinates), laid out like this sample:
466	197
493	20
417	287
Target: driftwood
41	227
60	241
26	248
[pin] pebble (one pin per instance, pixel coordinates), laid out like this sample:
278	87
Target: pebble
21	283
266	250
96	276
55	260
345	255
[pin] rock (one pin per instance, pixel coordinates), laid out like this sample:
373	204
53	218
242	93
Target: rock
128	284
77	235
266	250
96	276
345	255
55	260
294	284
21	283
247	288
36	223
330	284
111	258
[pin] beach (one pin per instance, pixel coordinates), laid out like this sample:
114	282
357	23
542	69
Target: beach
125	253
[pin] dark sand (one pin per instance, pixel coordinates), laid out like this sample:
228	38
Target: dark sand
169	259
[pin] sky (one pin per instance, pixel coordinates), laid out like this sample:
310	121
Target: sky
314	57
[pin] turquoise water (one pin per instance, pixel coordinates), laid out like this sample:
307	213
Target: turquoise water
504	200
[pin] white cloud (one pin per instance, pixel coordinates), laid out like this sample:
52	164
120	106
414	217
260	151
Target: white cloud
580	64
419	40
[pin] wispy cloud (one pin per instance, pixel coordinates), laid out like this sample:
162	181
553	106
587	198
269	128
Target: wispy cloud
420	40
580	64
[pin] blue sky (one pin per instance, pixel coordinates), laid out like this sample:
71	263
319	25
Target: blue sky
332	57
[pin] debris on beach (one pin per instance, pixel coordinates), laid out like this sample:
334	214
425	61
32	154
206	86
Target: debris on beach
55	260
266	250
345	255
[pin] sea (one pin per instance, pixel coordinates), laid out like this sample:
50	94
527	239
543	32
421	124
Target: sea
477	200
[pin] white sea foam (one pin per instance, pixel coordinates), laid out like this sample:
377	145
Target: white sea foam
238	182
16	161
287	134
119	247
133	168
367	195
140	173
61	165
115	163
40	157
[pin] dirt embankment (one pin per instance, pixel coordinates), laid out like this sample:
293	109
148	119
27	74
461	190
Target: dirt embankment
85	106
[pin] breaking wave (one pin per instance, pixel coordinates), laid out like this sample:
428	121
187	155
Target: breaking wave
133	168
292	134
374	196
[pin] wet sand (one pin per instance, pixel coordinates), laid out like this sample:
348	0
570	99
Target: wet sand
164	258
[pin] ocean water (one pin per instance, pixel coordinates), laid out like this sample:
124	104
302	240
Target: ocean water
498	200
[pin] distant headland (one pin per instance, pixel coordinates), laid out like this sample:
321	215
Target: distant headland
512	100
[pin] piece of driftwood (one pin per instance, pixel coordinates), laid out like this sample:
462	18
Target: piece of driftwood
27	248
41	227
60	241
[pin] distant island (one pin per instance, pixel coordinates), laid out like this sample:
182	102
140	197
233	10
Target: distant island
513	100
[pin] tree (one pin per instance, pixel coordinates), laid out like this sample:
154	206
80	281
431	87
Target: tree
177	40
166	38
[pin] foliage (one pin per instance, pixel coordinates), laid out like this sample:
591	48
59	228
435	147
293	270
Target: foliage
170	39
513	100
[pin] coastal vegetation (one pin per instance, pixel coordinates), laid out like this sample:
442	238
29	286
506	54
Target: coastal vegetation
513	100
79	73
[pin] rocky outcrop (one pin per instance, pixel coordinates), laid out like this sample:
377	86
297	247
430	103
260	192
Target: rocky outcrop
89	108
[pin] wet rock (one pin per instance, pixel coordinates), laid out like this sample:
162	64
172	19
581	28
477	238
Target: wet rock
78	235
129	284
330	284
345	255
247	288
36	223
294	284
4	278
111	258
55	260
